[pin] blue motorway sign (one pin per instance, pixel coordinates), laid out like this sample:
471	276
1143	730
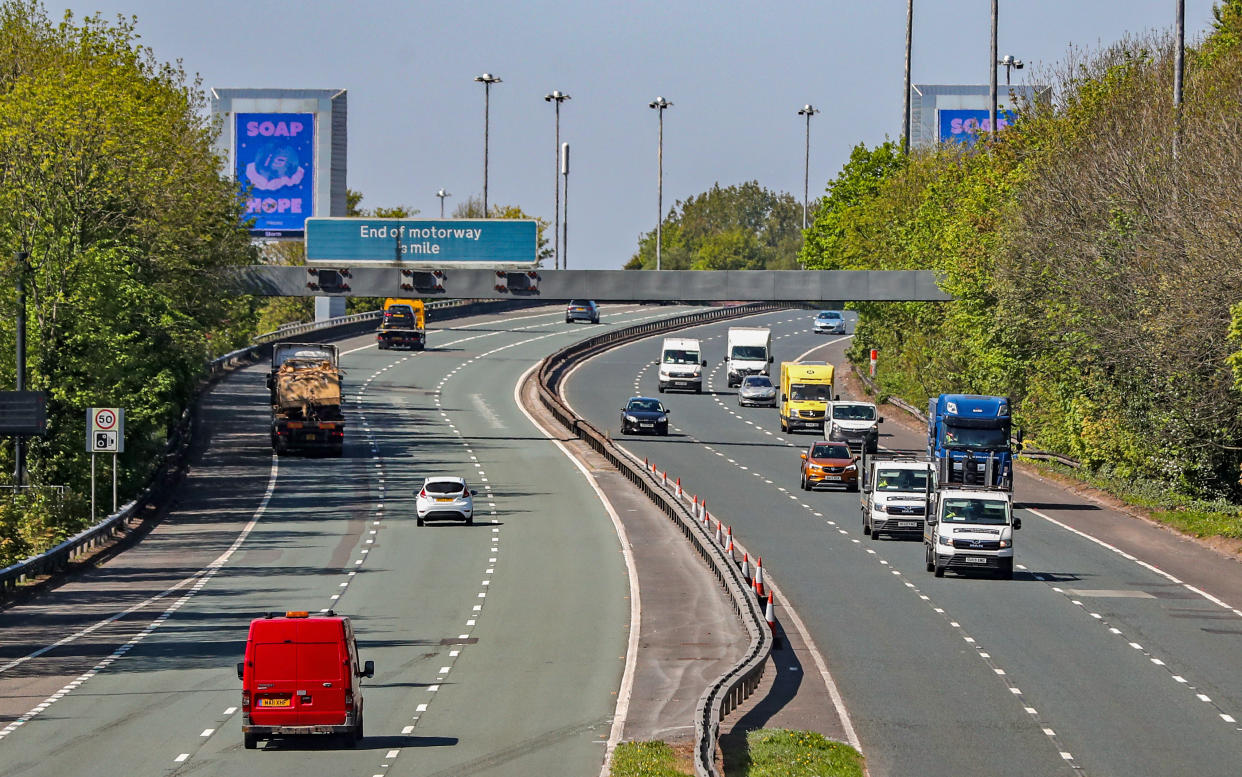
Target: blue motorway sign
434	242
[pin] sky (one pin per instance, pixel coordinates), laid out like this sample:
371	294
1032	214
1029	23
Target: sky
737	73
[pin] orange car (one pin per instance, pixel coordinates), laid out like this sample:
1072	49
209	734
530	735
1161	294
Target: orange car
829	464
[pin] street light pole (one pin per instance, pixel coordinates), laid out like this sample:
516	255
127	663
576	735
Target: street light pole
905	116
659	104
992	77
565	221
1179	67
20	259
442	194
557	97
487	79
808	111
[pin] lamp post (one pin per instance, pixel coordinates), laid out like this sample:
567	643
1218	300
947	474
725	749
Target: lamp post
442	194
808	111
557	98
565	222
905	117
1009	63
487	79
1179	67
992	77
659	104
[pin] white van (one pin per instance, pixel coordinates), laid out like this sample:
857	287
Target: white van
681	365
749	353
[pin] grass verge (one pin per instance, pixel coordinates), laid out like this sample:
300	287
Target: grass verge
771	752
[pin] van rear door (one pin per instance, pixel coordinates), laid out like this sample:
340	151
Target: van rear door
275	680
323	677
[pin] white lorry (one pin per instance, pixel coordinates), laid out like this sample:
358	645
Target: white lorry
681	365
854	423
894	493
970	528
749	353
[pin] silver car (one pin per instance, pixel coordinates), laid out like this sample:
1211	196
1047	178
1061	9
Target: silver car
829	322
756	390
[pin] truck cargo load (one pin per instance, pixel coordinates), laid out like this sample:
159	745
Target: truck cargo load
403	325
305	386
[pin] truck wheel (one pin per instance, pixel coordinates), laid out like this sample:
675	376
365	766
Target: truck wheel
250	741
660	388
1006	569
354	738
784	426
866	527
938	569
927	559
875	535
698	389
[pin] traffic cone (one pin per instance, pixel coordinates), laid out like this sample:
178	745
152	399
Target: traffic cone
719	537
746	567
729	535
770	614
759	576
679	488
664	477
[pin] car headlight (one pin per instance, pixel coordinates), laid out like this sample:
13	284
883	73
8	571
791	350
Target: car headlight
851	468
631	419
1004	544
878	507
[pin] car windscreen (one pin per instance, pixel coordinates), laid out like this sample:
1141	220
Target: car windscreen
986	511
675	356
578	303
830	452
830	314
853	413
750	352
644	405
900	480
809	392
443	487
757	381
970	437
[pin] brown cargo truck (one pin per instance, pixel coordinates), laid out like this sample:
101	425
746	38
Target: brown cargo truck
305	386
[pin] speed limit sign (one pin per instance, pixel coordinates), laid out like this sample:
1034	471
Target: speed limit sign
105	430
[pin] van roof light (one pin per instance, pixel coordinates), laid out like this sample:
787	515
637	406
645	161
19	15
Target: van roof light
297	614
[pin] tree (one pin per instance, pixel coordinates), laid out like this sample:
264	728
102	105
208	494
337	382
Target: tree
743	227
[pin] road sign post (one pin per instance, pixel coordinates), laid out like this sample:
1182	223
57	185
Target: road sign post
105	433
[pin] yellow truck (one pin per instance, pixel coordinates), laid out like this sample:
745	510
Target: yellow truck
806	390
404	325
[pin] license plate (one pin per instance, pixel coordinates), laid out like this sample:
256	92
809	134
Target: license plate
311	436
832	477
975	560
908	523
443	499
275	702
646	424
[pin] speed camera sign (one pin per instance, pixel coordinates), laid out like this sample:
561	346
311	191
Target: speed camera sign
105	430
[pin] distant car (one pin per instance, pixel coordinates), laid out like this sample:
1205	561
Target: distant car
828	463
644	414
829	322
445	499
582	310
756	390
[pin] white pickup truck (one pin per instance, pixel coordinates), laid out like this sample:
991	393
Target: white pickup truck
894	494
970	529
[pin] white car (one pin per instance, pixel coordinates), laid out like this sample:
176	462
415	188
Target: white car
829	322
445	499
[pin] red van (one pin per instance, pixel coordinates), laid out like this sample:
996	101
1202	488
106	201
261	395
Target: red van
301	676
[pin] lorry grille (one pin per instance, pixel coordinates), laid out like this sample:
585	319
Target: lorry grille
977	544
905	509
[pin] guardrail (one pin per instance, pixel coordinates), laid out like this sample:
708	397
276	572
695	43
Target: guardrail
735	686
1026	453
57	559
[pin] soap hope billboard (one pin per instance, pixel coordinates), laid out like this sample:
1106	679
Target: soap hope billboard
275	168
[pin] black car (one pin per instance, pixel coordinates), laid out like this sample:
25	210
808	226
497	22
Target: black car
644	414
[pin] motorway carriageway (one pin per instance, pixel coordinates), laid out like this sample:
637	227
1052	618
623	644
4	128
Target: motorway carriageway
499	647
1113	652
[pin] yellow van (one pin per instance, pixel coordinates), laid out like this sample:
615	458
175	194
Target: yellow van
806	390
